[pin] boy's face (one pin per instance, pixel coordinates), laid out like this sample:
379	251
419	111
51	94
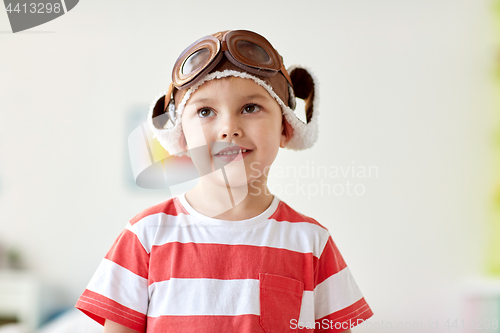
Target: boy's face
237	111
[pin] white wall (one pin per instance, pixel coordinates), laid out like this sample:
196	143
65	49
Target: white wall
403	88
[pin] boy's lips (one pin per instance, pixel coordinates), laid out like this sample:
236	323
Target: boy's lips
232	150
232	153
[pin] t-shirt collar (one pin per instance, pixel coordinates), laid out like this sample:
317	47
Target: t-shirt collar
230	224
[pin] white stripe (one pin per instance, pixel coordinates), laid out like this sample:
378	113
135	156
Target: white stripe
204	297
307	309
184	297
146	229
336	293
303	237
121	285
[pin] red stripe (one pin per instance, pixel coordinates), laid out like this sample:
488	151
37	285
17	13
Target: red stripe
222	261
127	251
171	206
330	262
344	319
197	324
100	308
288	214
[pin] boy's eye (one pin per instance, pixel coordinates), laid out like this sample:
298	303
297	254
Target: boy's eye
204	112
251	108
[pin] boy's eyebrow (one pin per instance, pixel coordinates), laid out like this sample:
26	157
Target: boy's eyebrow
209	99
254	96
201	100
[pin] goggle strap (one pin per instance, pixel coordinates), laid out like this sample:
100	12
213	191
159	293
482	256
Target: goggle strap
285	74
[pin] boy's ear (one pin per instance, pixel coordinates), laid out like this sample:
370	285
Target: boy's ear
286	132
303	88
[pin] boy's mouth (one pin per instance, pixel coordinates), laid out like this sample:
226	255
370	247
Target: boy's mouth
232	153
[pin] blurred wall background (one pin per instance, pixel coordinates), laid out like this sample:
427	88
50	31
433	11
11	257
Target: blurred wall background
405	88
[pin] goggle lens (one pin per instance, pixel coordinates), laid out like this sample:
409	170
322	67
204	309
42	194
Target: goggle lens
252	52
195	61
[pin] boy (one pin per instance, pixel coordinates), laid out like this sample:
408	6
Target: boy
227	256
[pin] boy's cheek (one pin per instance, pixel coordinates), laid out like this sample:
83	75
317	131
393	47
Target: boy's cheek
192	135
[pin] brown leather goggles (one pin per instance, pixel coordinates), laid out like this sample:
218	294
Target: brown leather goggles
244	49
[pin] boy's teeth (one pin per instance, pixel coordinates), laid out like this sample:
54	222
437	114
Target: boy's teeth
233	152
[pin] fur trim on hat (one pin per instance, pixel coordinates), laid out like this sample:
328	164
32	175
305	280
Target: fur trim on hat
304	135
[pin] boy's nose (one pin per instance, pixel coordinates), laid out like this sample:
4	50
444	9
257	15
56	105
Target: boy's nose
231	134
230	127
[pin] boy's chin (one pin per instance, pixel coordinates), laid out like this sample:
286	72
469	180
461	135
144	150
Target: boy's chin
230	178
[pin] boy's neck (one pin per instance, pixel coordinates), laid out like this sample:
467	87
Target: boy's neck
250	200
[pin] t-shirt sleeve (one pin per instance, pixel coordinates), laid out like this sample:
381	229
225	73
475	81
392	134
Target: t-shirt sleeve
118	290
339	304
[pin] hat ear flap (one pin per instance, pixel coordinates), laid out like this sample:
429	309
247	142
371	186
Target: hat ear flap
304	88
164	111
160	117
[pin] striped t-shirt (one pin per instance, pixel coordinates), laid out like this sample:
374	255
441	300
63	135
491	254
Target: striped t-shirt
173	269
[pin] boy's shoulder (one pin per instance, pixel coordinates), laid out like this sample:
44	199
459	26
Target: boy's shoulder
285	213
171	206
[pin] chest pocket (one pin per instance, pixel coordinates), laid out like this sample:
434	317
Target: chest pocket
280	299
